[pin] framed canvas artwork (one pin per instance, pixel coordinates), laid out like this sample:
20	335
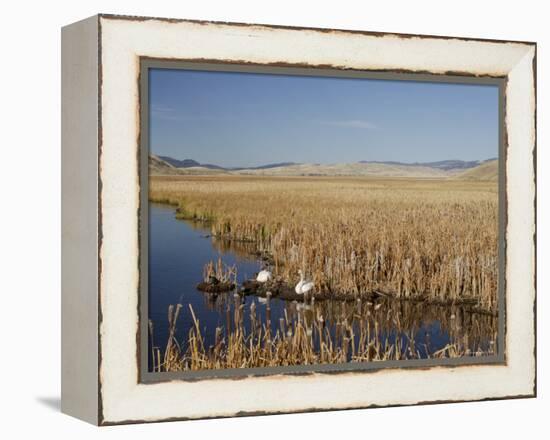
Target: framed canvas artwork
337	219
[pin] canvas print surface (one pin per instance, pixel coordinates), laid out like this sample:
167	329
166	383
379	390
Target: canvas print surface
301	220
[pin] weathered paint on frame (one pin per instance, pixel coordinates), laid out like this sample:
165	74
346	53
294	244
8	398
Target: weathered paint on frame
123	400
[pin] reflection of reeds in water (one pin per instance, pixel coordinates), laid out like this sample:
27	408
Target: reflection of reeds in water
322	333
242	249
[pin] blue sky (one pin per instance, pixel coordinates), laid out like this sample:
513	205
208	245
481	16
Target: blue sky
244	119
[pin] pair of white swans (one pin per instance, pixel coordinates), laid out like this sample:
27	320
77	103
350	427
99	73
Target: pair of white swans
304	286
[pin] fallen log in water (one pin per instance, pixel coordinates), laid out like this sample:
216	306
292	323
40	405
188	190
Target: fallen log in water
215	287
281	290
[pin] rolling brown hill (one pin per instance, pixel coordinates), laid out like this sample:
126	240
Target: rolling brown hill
350	169
487	171
160	167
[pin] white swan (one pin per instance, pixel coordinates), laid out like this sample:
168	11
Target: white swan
304	286
264	276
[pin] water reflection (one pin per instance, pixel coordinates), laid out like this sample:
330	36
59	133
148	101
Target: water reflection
430	327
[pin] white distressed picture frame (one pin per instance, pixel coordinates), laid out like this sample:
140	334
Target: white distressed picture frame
101	201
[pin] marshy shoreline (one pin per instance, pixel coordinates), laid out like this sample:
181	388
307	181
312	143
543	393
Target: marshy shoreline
285	291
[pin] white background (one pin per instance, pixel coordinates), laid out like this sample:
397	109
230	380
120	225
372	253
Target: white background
30	216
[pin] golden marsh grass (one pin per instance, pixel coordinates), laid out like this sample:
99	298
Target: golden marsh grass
424	239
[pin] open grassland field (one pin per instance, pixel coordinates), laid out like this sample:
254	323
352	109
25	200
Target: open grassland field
432	240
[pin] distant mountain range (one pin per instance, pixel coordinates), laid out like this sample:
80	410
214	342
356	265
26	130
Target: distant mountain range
190	163
268	166
441	169
447	165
